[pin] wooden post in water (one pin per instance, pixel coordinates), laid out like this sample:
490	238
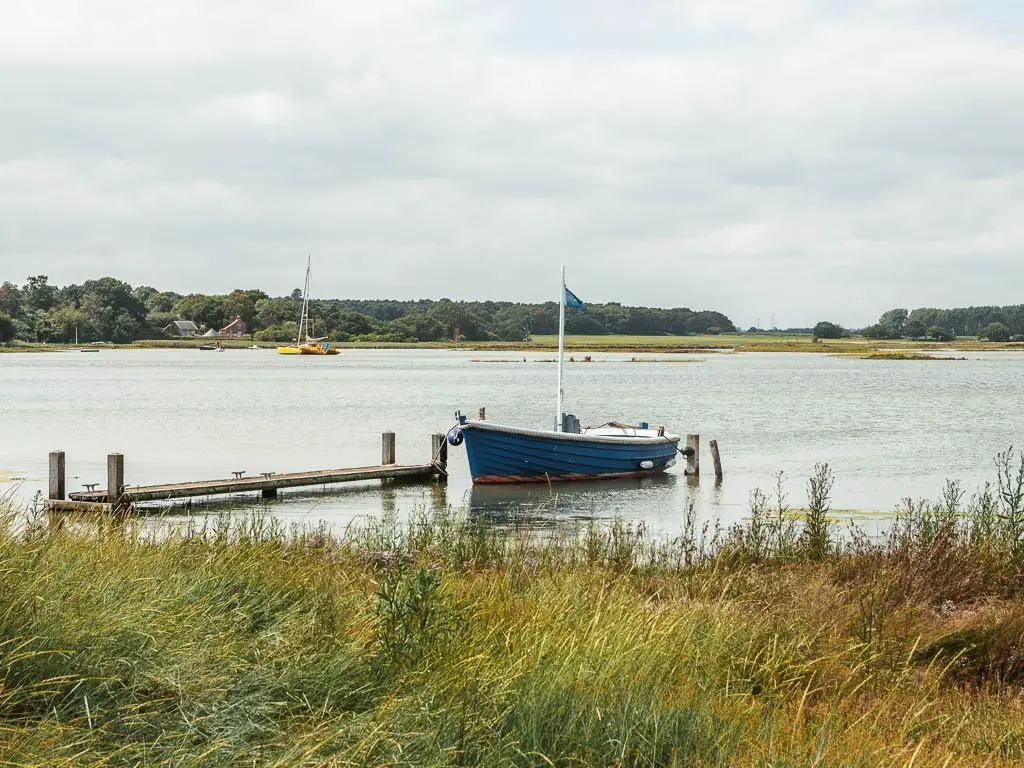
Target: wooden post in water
716	459
115	477
482	415
57	486
439	455
693	460
387	448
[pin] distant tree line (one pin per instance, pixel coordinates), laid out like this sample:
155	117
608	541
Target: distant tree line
108	309
992	323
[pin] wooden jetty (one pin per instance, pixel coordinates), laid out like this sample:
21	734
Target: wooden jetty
118	497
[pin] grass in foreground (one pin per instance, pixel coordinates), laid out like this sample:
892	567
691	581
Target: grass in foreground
452	642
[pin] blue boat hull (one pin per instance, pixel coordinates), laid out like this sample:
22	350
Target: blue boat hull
508	455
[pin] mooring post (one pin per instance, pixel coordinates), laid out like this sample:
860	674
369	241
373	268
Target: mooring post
482	416
716	459
115	477
693	460
439	455
57	486
387	448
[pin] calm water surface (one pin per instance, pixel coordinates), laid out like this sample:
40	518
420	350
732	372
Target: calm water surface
889	428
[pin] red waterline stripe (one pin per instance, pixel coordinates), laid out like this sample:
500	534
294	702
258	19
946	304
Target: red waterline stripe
496	479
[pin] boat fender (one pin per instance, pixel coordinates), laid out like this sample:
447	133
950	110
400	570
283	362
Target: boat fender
687	451
455	436
646	464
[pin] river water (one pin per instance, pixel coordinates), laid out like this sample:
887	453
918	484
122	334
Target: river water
889	429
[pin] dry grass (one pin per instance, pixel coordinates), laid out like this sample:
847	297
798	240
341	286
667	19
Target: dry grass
447	641
892	355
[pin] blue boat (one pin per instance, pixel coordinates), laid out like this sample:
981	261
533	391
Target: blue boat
503	454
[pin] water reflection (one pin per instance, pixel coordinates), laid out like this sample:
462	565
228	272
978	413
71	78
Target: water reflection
544	505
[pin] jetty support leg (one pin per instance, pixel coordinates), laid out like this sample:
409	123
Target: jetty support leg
269	493
57	475
693	460
115	479
716	459
439	455
387	453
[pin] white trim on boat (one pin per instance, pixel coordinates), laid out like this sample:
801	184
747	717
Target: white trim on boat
608	435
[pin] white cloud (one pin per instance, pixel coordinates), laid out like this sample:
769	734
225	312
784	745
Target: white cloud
807	159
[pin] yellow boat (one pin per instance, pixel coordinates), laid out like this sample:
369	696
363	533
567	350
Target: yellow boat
312	347
305	344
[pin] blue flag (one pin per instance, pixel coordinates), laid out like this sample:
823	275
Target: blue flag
572	300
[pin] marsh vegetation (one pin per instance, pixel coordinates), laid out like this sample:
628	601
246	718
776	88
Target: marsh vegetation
451	641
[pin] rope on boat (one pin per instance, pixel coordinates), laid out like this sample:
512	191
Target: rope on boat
441	448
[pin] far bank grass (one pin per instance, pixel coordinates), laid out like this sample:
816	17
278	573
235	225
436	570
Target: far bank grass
449	641
739	342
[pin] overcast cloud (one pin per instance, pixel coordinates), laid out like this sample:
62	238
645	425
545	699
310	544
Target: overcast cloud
808	158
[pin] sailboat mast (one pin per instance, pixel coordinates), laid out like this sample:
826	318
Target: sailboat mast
304	318
561	349
310	330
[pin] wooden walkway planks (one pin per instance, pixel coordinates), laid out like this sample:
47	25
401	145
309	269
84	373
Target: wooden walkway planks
273	483
118	497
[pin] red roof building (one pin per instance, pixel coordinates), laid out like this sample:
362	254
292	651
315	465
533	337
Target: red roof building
235	328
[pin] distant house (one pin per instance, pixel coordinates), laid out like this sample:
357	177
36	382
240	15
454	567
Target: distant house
182	328
235	328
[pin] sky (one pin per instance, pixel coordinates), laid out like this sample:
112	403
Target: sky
802	159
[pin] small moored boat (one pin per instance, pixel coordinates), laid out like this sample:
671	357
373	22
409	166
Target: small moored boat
501	454
504	454
305	343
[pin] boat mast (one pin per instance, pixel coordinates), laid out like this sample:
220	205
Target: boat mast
304	317
310	330
561	349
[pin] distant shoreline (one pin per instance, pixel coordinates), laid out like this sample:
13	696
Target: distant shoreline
724	343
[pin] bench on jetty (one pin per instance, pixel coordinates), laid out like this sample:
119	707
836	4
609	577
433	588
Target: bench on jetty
119	498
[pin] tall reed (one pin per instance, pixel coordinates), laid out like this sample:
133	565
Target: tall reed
445	640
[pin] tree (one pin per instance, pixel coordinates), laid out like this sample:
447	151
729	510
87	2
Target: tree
914	329
202	310
703	322
827	330
895	320
10	299
415	326
996	332
6	329
242	304
939	334
450	316
876	331
38	293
